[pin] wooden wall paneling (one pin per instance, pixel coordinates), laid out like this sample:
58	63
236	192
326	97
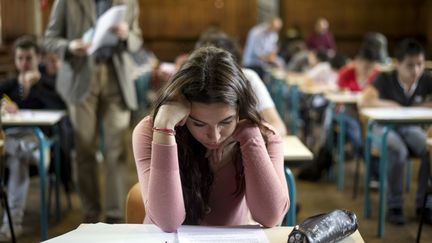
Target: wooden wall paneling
16	17
350	20
171	27
241	16
426	18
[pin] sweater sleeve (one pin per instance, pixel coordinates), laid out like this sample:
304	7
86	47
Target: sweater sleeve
266	187
159	177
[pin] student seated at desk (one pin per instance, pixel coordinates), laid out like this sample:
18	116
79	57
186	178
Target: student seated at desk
205	157
353	77
28	90
407	85
321	75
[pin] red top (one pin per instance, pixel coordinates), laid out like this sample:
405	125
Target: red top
347	78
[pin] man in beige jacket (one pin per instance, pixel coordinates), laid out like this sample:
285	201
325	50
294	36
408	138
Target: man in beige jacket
96	87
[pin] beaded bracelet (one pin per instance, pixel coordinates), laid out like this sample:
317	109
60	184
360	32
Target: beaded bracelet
167	131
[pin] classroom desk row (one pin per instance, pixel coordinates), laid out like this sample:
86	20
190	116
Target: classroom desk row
294	150
386	117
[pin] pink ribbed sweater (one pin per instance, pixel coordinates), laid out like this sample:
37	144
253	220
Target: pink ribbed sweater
266	193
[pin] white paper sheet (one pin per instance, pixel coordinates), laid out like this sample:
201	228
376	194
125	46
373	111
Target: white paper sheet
398	113
201	234
32	117
107	233
102	34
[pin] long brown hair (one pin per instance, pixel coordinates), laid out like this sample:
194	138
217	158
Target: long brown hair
210	75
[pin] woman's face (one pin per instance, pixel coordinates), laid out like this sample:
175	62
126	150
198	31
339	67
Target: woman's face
212	124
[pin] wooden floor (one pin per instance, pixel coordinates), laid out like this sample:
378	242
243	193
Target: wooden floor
313	198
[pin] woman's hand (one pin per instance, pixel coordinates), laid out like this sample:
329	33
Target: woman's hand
172	114
244	130
121	30
78	47
217	157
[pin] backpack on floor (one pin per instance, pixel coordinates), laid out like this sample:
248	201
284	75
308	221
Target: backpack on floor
321	164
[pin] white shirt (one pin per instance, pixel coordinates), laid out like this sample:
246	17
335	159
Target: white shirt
323	73
264	99
259	42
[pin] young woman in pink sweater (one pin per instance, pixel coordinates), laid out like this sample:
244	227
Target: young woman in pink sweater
205	156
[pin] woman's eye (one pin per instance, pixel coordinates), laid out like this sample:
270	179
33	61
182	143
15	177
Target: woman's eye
226	122
198	124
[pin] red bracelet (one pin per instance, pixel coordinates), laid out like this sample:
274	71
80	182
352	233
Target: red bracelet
167	131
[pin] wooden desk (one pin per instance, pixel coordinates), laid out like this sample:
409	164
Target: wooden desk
399	115
294	78
295	150
36	119
343	97
33	118
387	117
149	233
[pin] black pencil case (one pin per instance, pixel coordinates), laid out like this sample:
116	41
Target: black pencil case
326	227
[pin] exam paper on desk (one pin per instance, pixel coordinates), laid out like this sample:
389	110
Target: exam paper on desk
397	113
202	234
107	233
32	115
132	233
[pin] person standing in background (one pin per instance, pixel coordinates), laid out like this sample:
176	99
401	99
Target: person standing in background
322	39
96	87
262	46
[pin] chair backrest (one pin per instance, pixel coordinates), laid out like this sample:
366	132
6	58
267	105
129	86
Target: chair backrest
135	211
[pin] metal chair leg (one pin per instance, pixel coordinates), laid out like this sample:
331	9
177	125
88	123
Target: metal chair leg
356	178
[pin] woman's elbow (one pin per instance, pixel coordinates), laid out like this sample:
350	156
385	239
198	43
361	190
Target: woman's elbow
170	226
167	223
275	215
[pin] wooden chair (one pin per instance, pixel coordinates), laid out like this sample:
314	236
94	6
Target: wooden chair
135	211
